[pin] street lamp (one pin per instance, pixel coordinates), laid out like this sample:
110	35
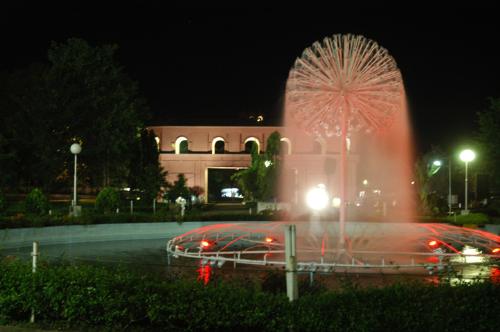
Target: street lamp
466	156
75	149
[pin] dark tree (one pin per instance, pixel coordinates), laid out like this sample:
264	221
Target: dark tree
31	143
178	189
82	95
146	175
105	111
489	141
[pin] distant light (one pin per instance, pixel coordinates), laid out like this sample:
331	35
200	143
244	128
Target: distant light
126	189
433	243
268	163
336	202
413	182
496	250
471	255
205	244
138	198
317	197
260	118
365	182
437	163
467	155
269	239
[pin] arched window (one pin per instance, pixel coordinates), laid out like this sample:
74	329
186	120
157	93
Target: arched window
181	145
218	145
249	142
286	146
318	147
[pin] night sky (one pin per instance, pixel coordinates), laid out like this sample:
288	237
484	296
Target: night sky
218	65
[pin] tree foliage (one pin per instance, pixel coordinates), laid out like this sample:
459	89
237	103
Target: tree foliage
433	180
102	106
489	140
146	174
178	189
81	95
108	200
36	202
259	182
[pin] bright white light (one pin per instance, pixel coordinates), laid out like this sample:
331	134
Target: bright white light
437	163
413	182
75	148
470	255
317	197
336	202
365	182
126	189
268	163
467	155
231	193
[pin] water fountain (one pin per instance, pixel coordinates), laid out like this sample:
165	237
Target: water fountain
348	93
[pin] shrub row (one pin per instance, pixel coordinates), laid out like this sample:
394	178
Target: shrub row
85	296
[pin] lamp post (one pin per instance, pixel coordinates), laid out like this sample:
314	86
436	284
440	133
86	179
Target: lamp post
75	149
467	156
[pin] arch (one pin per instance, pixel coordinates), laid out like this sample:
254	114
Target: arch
181	145
286	142
319	146
248	147
218	145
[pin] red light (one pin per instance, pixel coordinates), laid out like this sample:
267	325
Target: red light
204	273
205	244
496	250
269	239
433	243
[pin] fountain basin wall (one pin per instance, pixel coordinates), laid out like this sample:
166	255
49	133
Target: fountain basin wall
22	237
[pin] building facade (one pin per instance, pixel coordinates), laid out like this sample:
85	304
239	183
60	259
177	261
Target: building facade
194	150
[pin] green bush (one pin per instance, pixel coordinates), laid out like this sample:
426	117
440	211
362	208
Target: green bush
108	200
36	202
85	297
471	219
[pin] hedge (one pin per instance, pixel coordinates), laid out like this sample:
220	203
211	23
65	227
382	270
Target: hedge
82	296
